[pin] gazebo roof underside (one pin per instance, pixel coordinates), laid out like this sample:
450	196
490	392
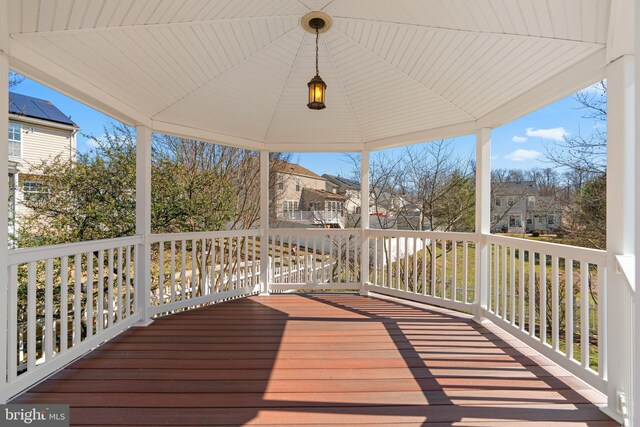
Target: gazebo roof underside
235	71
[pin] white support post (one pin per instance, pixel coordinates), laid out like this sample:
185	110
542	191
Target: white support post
483	219
143	223
635	401
264	223
617	300
364	223
4	220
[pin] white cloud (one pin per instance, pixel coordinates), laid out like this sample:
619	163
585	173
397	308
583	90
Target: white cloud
522	155
519	138
556	134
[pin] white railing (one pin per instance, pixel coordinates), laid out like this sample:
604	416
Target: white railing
314	259
64	300
192	269
430	267
528	296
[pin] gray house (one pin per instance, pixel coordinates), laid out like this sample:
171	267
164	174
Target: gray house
518	207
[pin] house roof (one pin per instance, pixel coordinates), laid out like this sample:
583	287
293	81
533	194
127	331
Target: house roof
520	188
37	108
292	168
324	194
342	182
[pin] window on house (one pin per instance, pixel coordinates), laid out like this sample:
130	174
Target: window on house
529	221
551	220
358	210
33	190
510	201
281	182
532	201
297	184
289	205
497	201
515	221
15	140
314	206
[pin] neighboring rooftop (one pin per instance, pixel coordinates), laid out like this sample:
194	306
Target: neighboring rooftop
325	194
349	184
515	188
286	167
37	108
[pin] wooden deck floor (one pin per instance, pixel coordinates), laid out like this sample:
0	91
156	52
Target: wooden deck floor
318	359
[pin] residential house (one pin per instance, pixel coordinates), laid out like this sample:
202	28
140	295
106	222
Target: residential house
38	131
349	188
518	207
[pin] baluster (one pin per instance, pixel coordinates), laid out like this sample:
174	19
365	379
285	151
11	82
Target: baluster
397	281
347	261
172	270
532	293
49	337
521	272
31	316
555	297
77	300
128	282
375	261
496	279
339	248
503	290
434	270
584	314
454	272
237	263
424	266
253	261
543	297
568	305
100	318
512	290
389	256
415	265
160	273
183	270
465	273
194	268
110	312
89	301
214	265
602	323
12	314
119	291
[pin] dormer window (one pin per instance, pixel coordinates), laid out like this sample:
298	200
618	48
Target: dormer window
297	184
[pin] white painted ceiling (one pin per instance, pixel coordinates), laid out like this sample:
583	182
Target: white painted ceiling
237	69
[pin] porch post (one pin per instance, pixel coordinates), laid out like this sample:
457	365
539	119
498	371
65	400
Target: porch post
143	222
617	298
264	222
483	219
364	222
635	409
4	218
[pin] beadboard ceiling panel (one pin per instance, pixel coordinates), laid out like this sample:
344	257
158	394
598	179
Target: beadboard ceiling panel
238	69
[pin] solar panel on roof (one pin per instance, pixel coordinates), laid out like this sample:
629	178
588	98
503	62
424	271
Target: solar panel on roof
38	108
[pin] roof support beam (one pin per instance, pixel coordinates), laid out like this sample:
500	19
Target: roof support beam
615	297
635	405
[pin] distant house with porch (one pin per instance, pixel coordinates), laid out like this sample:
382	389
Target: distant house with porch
38	132
518	207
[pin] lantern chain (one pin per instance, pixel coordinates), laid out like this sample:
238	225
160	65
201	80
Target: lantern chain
317	36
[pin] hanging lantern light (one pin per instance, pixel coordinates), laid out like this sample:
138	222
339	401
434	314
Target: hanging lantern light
317	86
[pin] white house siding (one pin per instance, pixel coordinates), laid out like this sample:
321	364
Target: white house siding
40	143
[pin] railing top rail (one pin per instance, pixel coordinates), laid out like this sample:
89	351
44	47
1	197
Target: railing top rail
447	235
167	237
315	231
593	256
21	256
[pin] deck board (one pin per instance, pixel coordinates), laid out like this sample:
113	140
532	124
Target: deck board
324	359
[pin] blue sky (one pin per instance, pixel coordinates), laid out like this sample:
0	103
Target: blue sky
520	144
